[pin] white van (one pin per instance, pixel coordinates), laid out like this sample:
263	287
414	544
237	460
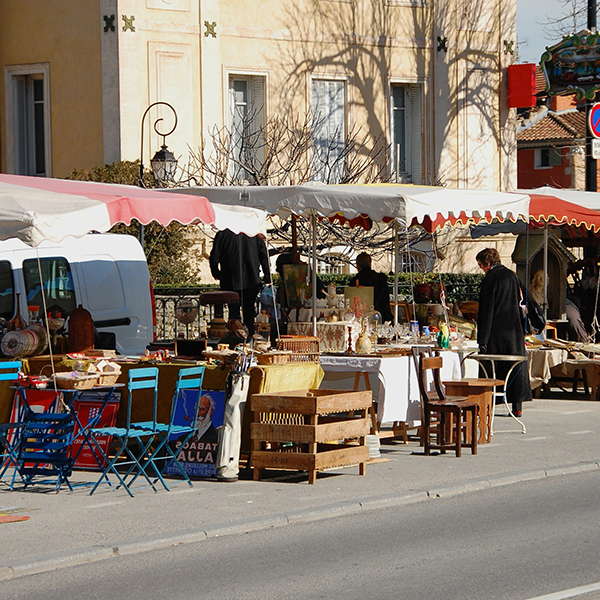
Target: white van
106	273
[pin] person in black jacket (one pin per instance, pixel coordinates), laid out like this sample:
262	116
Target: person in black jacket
500	324
236	260
367	277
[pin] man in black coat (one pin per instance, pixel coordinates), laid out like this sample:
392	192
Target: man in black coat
235	260
367	277
500	324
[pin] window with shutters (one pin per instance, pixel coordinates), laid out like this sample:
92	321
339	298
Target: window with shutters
328	104
28	120
247	118
546	158
406	132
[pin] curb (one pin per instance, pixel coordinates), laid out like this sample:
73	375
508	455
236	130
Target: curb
50	562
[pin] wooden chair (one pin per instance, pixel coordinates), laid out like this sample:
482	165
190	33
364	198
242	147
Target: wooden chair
451	410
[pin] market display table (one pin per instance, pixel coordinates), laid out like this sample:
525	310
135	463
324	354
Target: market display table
584	370
540	362
483	389
307	430
393	380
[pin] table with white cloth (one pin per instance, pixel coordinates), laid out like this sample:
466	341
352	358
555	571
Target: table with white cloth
540	362
393	381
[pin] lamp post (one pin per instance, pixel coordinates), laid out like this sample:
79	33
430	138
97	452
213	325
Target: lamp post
164	163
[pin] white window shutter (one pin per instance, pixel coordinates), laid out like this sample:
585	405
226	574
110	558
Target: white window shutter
416	132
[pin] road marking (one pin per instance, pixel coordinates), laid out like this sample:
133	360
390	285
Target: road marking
104	505
572	593
536	439
578	432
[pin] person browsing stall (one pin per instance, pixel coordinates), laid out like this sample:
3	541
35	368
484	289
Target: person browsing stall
500	327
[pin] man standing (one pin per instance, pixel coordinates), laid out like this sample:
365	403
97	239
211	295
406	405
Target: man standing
235	260
367	277
500	327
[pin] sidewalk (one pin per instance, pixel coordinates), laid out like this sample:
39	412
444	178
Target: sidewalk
73	527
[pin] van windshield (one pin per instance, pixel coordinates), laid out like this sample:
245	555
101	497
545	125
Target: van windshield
7	304
58	284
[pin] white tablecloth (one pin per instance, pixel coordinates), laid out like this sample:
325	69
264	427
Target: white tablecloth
393	381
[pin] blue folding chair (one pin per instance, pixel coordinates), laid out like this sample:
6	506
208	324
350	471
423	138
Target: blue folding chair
10	433
44	450
141	434
184	407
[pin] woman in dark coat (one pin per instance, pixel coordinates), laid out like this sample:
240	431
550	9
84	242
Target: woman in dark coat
500	324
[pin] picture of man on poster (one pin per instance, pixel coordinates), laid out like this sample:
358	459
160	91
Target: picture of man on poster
198	454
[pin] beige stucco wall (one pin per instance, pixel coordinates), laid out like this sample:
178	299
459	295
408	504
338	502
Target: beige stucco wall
67	36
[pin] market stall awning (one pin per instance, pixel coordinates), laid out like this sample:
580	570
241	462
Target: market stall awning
379	202
544	209
34	209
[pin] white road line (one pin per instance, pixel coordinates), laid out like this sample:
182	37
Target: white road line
104	505
535	439
572	593
579	432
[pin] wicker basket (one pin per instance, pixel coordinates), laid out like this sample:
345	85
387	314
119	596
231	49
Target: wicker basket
273	358
66	381
304	348
108	378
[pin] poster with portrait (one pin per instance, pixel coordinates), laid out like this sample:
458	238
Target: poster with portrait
198	454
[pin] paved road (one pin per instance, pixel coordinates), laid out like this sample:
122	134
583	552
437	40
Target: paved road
512	543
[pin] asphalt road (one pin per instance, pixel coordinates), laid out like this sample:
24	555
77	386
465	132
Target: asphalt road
517	542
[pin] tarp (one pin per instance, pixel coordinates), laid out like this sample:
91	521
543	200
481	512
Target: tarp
379	202
34	209
546	208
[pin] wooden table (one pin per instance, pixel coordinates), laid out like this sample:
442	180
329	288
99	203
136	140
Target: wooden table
484	390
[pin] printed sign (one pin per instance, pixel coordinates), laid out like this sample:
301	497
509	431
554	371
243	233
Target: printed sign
198	455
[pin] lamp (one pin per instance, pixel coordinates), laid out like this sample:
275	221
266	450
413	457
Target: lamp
164	163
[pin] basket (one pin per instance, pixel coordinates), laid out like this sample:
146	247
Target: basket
273	358
304	348
108	378
66	381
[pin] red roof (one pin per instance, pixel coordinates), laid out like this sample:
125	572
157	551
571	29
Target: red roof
555	127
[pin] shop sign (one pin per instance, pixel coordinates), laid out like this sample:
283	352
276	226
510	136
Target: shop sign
573	66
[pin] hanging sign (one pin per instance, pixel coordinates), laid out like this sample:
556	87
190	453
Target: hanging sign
573	65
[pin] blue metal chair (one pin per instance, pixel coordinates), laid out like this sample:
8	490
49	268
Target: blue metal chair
182	424
46	440
10	433
141	434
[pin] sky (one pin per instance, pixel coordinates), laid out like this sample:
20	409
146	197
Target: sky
531	14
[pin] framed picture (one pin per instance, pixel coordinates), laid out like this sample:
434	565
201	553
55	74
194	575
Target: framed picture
403	312
297	285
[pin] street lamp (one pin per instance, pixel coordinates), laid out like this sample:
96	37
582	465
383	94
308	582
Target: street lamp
164	163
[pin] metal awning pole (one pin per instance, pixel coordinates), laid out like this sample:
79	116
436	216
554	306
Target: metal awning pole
396	270
546	271
313	224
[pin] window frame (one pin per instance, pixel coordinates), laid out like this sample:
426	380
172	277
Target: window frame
344	81
413	131
33	71
551	162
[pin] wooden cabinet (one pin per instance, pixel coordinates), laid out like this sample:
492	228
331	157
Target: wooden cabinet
309	430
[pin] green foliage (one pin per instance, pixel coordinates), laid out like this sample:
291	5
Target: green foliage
169	250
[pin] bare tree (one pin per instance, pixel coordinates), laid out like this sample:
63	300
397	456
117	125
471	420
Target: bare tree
572	20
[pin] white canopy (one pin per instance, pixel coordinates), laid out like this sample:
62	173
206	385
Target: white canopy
585	199
402	203
240	219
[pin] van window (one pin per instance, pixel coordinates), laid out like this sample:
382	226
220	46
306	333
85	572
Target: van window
58	284
103	276
7	301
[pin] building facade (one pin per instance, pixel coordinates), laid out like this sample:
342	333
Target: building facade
425	78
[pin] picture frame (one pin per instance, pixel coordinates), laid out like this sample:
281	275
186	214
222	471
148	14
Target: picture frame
403	312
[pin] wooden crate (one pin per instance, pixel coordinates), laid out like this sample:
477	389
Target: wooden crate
306	430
